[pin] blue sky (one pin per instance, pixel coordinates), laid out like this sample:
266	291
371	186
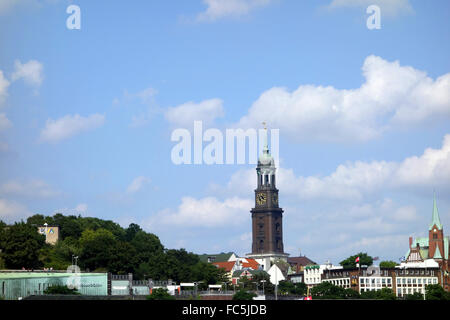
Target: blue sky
363	117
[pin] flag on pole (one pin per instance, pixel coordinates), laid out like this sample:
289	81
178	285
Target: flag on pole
357	259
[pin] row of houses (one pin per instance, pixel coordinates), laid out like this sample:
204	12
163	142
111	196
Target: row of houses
406	278
426	262
238	267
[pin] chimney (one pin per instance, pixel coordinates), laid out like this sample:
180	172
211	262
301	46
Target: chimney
410	242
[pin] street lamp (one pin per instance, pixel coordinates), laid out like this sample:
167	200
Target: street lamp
256	285
46	224
263	281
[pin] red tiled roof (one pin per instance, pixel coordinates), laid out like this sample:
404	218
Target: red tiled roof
228	265
251	263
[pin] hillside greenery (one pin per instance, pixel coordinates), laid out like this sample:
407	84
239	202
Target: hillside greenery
100	245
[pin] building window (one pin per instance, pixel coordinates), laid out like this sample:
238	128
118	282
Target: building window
435	236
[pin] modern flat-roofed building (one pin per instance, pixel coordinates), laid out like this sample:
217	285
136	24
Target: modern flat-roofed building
20	284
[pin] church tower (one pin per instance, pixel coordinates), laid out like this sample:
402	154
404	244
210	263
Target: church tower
436	235
267	216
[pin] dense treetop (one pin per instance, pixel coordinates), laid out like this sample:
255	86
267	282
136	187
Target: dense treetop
100	245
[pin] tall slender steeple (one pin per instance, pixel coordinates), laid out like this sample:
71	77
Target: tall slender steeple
436	241
435	221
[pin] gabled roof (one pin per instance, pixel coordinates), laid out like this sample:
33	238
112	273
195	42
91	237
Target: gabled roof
435	221
423	243
244	263
302	261
228	265
238	273
218	257
251	263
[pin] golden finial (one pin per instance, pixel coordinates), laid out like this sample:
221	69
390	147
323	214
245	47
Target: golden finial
265	125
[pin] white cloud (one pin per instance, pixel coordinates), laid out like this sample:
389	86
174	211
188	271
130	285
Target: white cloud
80	209
31	72
12	211
137	184
392	96
29	188
70	125
388	7
185	114
4	122
4	84
217	9
206	212
354	180
144	97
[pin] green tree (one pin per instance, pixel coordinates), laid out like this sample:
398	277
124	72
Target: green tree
327	290
286	287
351	294
436	292
254	282
50	258
414	296
160	294
131	231
208	274
148	247
38	220
372	295
97	248
243	294
386	294
69	226
122	259
350	263
383	294
20	245
61	289
300	289
388	264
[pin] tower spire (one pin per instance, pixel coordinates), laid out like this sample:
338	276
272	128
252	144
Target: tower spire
435	218
266	143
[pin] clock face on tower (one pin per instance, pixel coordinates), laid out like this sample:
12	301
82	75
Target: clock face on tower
261	198
275	199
